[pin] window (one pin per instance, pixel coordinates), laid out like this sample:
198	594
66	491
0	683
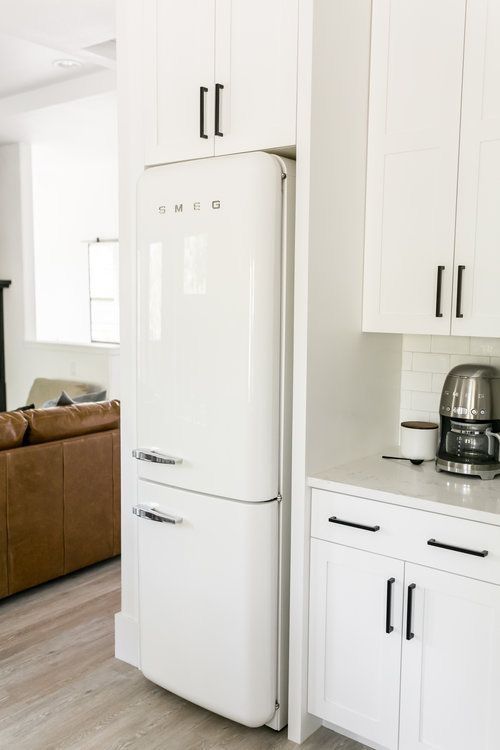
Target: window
103	286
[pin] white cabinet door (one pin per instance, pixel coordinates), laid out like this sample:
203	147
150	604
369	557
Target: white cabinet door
478	213
179	60
413	139
450	688
256	63
354	663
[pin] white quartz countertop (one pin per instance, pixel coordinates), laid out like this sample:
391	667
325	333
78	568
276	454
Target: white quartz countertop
421	487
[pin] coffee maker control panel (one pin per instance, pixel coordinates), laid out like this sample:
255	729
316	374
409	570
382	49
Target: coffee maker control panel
470	398
461	412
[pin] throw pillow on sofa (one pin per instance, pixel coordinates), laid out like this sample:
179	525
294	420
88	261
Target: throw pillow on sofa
86	398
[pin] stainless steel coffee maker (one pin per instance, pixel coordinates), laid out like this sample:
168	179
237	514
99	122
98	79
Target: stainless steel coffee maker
470	422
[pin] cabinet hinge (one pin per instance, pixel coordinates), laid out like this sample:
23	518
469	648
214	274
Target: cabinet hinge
283	175
279	497
277	706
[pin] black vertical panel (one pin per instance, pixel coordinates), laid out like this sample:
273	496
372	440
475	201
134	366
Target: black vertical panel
3	399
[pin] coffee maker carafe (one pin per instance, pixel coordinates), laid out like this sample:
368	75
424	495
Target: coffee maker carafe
470	422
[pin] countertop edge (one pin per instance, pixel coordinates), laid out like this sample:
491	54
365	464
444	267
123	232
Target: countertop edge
431	506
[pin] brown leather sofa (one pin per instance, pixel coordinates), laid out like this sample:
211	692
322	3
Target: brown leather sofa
59	491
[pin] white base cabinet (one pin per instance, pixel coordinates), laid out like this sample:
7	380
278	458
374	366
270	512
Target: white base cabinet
450	677
403	655
356	597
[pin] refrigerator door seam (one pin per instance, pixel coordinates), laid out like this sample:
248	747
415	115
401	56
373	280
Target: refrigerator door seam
208	494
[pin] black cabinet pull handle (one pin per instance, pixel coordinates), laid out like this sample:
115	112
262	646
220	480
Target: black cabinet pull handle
460	276
218	88
453	548
409	612
334	519
439	313
203	93
388	607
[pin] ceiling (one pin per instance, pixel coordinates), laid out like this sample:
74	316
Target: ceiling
34	33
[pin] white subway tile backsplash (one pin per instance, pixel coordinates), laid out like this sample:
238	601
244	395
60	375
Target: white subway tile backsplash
405	402
431	362
472	359
486	347
416	381
450	344
438	382
425	401
426	360
407	361
413	343
412	415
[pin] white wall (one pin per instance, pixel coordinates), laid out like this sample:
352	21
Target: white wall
75	198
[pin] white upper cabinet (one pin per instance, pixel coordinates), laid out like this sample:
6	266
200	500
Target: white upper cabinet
220	77
477	256
450	691
256	63
413	142
178	65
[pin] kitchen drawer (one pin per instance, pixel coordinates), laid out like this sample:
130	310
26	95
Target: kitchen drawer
404	533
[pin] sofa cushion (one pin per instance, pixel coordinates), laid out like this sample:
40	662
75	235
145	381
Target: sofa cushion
13	427
35	515
88	500
62	422
4	578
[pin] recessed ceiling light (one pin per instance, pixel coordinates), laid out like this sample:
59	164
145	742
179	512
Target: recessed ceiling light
67	63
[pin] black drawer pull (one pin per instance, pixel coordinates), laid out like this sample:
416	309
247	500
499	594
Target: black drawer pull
334	519
203	92
388	607
464	550
460	275
409	612
218	88
439	313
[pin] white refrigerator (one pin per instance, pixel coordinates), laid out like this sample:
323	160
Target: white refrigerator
213	422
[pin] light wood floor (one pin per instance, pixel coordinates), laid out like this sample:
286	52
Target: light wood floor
62	689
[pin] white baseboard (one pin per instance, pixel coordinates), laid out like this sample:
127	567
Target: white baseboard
127	639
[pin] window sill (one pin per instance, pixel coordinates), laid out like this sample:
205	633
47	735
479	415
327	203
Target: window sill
93	348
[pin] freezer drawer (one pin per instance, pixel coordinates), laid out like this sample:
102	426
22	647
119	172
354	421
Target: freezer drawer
208	598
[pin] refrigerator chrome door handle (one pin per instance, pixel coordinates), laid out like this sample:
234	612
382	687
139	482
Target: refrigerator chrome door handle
143	511
154	457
